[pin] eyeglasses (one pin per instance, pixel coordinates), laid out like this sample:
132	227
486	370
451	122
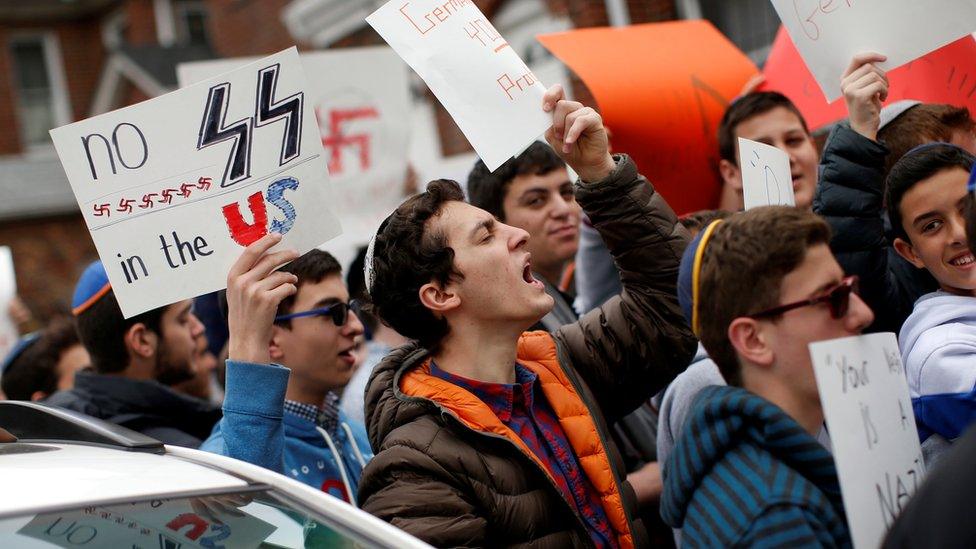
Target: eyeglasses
838	299
338	312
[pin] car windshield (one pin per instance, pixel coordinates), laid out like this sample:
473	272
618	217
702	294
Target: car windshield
250	518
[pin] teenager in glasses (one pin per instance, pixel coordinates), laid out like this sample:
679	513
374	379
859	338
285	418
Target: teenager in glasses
758	288
281	405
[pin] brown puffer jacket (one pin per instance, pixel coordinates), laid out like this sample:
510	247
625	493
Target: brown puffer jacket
447	471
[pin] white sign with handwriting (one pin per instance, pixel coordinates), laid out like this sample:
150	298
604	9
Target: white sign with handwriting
173	188
869	415
361	100
766	176
486	87
828	33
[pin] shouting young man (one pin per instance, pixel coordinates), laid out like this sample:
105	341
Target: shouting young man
487	436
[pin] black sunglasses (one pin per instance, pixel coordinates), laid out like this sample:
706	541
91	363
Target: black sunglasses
838	299
338	312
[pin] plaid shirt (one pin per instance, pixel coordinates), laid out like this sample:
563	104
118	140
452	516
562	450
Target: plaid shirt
325	416
534	421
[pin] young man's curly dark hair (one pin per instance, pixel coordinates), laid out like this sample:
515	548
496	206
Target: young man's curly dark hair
409	253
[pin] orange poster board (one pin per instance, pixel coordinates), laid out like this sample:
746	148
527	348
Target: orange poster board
662	89
946	75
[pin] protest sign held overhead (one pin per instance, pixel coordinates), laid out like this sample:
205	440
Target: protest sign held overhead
872	429
829	33
662	109
766	177
945	75
361	101
173	188
489	91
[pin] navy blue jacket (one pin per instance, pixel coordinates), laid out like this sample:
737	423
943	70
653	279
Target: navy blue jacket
850	196
744	473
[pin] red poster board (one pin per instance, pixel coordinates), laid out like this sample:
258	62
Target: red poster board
947	75
662	89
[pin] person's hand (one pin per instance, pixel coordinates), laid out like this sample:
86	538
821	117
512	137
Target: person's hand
578	136
254	290
865	87
647	483
212	508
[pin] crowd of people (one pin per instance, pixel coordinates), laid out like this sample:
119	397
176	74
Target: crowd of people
543	359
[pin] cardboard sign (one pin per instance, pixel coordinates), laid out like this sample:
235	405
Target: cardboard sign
943	76
179	520
174	188
661	108
361	100
488	90
766	177
869	415
828	33
8	290
146	526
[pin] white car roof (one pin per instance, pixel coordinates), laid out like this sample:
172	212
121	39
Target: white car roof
73	474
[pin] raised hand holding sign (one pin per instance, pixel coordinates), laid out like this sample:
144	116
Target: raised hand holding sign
172	188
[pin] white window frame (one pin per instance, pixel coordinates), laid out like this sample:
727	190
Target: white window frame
180	9
60	99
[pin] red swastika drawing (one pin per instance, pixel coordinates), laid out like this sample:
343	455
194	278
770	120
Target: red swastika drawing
336	140
102	209
168	195
125	205
186	189
204	183
147	201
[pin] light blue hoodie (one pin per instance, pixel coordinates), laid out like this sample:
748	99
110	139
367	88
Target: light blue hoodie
938	348
256	429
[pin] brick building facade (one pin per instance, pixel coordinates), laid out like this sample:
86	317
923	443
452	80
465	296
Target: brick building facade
67	61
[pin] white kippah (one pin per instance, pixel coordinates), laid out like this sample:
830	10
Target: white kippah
368	271
896	109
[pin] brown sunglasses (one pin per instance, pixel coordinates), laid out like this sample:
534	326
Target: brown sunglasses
838	299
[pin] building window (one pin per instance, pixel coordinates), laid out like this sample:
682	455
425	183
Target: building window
38	80
749	24
191	20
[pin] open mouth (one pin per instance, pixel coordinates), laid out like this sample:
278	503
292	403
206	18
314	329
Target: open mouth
962	260
347	356
528	278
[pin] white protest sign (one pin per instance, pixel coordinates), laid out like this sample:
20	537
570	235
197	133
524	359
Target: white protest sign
8	290
766	176
178	519
828	33
869	415
489	91
173	188
361	100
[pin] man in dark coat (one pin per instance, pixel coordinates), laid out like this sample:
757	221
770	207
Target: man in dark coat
134	363
485	436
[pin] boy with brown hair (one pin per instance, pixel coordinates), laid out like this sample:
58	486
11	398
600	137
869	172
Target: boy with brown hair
757	289
856	159
488	437
770	118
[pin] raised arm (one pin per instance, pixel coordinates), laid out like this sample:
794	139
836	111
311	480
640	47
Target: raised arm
251	429
851	189
633	345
